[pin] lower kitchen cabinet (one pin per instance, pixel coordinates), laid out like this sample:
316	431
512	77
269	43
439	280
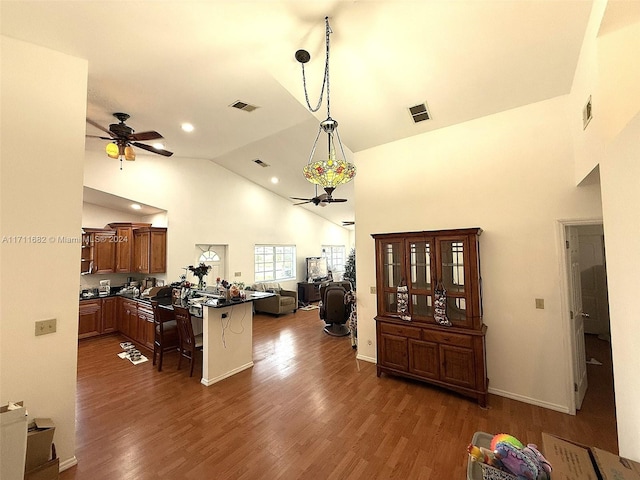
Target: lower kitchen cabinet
97	316
109	314
90	318
145	326
131	318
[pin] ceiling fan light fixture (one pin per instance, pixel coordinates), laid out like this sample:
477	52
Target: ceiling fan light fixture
129	154
112	150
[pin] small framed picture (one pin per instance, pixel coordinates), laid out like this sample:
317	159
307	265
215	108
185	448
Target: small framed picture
587	113
159	283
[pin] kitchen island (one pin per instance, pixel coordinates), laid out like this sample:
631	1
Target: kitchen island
227	337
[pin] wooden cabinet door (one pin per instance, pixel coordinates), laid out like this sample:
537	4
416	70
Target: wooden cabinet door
158	251
89	318
145	327
109	311
393	352
124	250
129	319
457	366
104	252
141	251
424	359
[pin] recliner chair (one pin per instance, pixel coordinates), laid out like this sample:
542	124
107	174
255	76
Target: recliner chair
333	309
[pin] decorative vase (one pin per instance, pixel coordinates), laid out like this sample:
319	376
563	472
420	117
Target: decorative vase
200	283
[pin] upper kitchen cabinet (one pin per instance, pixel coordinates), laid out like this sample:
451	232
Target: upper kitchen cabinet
150	250
98	251
124	262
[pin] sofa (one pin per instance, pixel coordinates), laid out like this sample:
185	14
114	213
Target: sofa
285	301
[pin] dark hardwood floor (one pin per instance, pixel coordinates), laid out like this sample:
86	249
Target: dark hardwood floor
307	409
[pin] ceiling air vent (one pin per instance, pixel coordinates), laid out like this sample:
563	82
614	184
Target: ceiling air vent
261	163
243	106
419	113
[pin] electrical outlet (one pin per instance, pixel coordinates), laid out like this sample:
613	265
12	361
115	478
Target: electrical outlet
43	327
372	290
540	303
237	274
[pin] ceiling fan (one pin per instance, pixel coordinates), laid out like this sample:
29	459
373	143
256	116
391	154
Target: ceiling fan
321	200
123	138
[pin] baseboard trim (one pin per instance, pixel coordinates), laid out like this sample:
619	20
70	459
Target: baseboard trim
532	401
68	463
210	381
365	358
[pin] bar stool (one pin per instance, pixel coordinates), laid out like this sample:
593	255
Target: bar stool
189	343
165	332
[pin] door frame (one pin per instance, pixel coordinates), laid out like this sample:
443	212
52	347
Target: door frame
567	340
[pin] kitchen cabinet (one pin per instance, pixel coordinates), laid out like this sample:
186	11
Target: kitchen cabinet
109	314
98	253
128	318
417	346
96	316
124	254
145	326
150	250
90	318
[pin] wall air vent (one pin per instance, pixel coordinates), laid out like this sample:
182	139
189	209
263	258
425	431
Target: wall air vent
261	163
243	106
419	113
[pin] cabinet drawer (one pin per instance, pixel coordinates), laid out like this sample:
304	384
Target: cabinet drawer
400	330
447	338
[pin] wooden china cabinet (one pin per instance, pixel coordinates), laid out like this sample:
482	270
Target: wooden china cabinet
451	357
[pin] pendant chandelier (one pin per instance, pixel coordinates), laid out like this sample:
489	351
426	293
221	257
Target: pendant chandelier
331	171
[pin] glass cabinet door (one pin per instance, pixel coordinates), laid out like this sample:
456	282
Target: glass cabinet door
453	263
420	263
392	275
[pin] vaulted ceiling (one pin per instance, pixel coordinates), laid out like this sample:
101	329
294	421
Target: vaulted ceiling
169	62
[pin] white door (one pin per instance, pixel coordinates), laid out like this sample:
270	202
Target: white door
576	315
214	256
593	278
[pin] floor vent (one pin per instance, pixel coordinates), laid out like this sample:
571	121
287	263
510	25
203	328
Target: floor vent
243	106
419	113
261	163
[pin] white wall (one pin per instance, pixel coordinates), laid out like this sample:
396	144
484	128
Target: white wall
512	175
609	71
207	204
620	177
43	98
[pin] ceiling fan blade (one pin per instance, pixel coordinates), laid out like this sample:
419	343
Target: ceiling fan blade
149	148
335	200
305	199
302	203
150	135
99	127
101	138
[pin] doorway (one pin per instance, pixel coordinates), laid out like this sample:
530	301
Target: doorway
589	324
213	256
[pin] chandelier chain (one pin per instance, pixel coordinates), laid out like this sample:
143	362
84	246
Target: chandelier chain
325	80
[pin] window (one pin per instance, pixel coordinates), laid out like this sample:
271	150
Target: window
336	257
275	262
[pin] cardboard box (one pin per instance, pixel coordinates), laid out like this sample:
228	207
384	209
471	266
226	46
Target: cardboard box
39	441
573	461
46	471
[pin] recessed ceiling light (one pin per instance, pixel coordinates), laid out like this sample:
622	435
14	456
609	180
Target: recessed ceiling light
159	146
187	127
274	180
135	206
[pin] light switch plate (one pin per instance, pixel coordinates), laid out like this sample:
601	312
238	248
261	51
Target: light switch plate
44	327
372	290
540	303
237	274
